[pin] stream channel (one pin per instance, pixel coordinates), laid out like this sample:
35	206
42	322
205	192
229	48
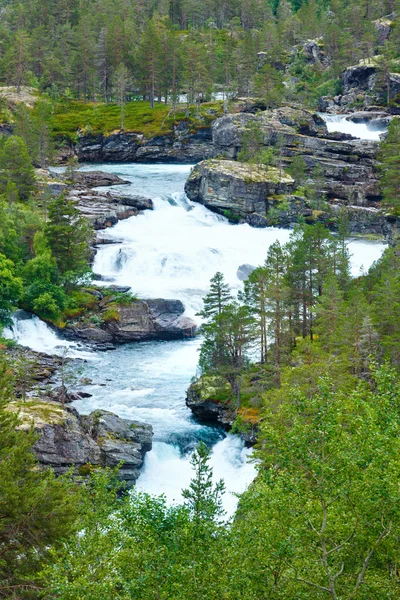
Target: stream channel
170	252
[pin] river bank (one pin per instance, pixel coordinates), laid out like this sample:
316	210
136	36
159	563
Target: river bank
170	251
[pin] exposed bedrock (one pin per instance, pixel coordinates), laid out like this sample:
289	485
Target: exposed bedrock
181	146
265	197
348	165
102	439
139	320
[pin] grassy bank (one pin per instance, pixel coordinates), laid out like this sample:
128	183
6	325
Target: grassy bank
72	116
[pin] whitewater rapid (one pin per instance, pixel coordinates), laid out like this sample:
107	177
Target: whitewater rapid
170	252
370	130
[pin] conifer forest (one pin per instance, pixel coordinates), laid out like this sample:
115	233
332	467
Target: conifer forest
199	300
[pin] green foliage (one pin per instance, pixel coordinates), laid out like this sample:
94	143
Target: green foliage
36	508
390	168
130	546
217	298
322	519
16	167
10	289
67	234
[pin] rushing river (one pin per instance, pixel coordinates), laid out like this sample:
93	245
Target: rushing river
369	130
171	252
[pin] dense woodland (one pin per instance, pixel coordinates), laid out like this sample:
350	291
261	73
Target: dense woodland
306	355
100	49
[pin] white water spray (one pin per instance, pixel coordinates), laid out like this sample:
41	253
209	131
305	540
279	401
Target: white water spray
369	130
29	331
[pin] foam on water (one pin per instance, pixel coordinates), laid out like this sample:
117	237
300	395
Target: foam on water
370	130
171	252
29	331
167	471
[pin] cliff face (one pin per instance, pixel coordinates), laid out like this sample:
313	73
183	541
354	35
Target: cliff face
264	197
182	146
348	165
102	439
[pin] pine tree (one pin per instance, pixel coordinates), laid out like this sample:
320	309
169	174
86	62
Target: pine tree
121	84
390	167
67	234
203	498
16	167
10	289
36	509
218	297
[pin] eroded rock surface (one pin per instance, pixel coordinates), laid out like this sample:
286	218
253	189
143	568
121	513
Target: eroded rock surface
347	165
133	322
68	440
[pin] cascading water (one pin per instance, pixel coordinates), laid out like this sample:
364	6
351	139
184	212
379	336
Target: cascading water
366	130
29	331
172	252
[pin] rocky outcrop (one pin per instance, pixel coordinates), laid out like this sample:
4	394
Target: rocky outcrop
362	86
102	208
111	321
242	189
92	179
68	440
183	145
384	27
347	165
202	399
105	209
247	193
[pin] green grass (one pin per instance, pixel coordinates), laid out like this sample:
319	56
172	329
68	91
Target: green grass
95	117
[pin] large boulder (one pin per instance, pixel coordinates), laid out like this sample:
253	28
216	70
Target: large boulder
239	188
68	440
97	179
105	209
135	321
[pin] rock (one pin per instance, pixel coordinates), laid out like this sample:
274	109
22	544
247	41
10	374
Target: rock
121	289
138	202
105	209
169	320
97	179
134	322
181	146
361	85
224	185
244	271
348	165
384	27
208	410
67	439
200	398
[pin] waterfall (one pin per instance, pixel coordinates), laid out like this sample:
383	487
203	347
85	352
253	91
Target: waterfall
366	130
29	331
170	252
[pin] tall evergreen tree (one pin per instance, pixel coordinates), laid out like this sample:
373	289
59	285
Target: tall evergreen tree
217	298
16	167
67	234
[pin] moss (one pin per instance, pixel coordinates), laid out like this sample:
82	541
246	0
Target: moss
86	470
38	412
98	118
111	314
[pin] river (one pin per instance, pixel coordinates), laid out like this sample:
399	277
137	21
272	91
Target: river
170	252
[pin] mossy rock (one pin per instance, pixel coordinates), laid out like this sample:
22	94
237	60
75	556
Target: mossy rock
38	413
